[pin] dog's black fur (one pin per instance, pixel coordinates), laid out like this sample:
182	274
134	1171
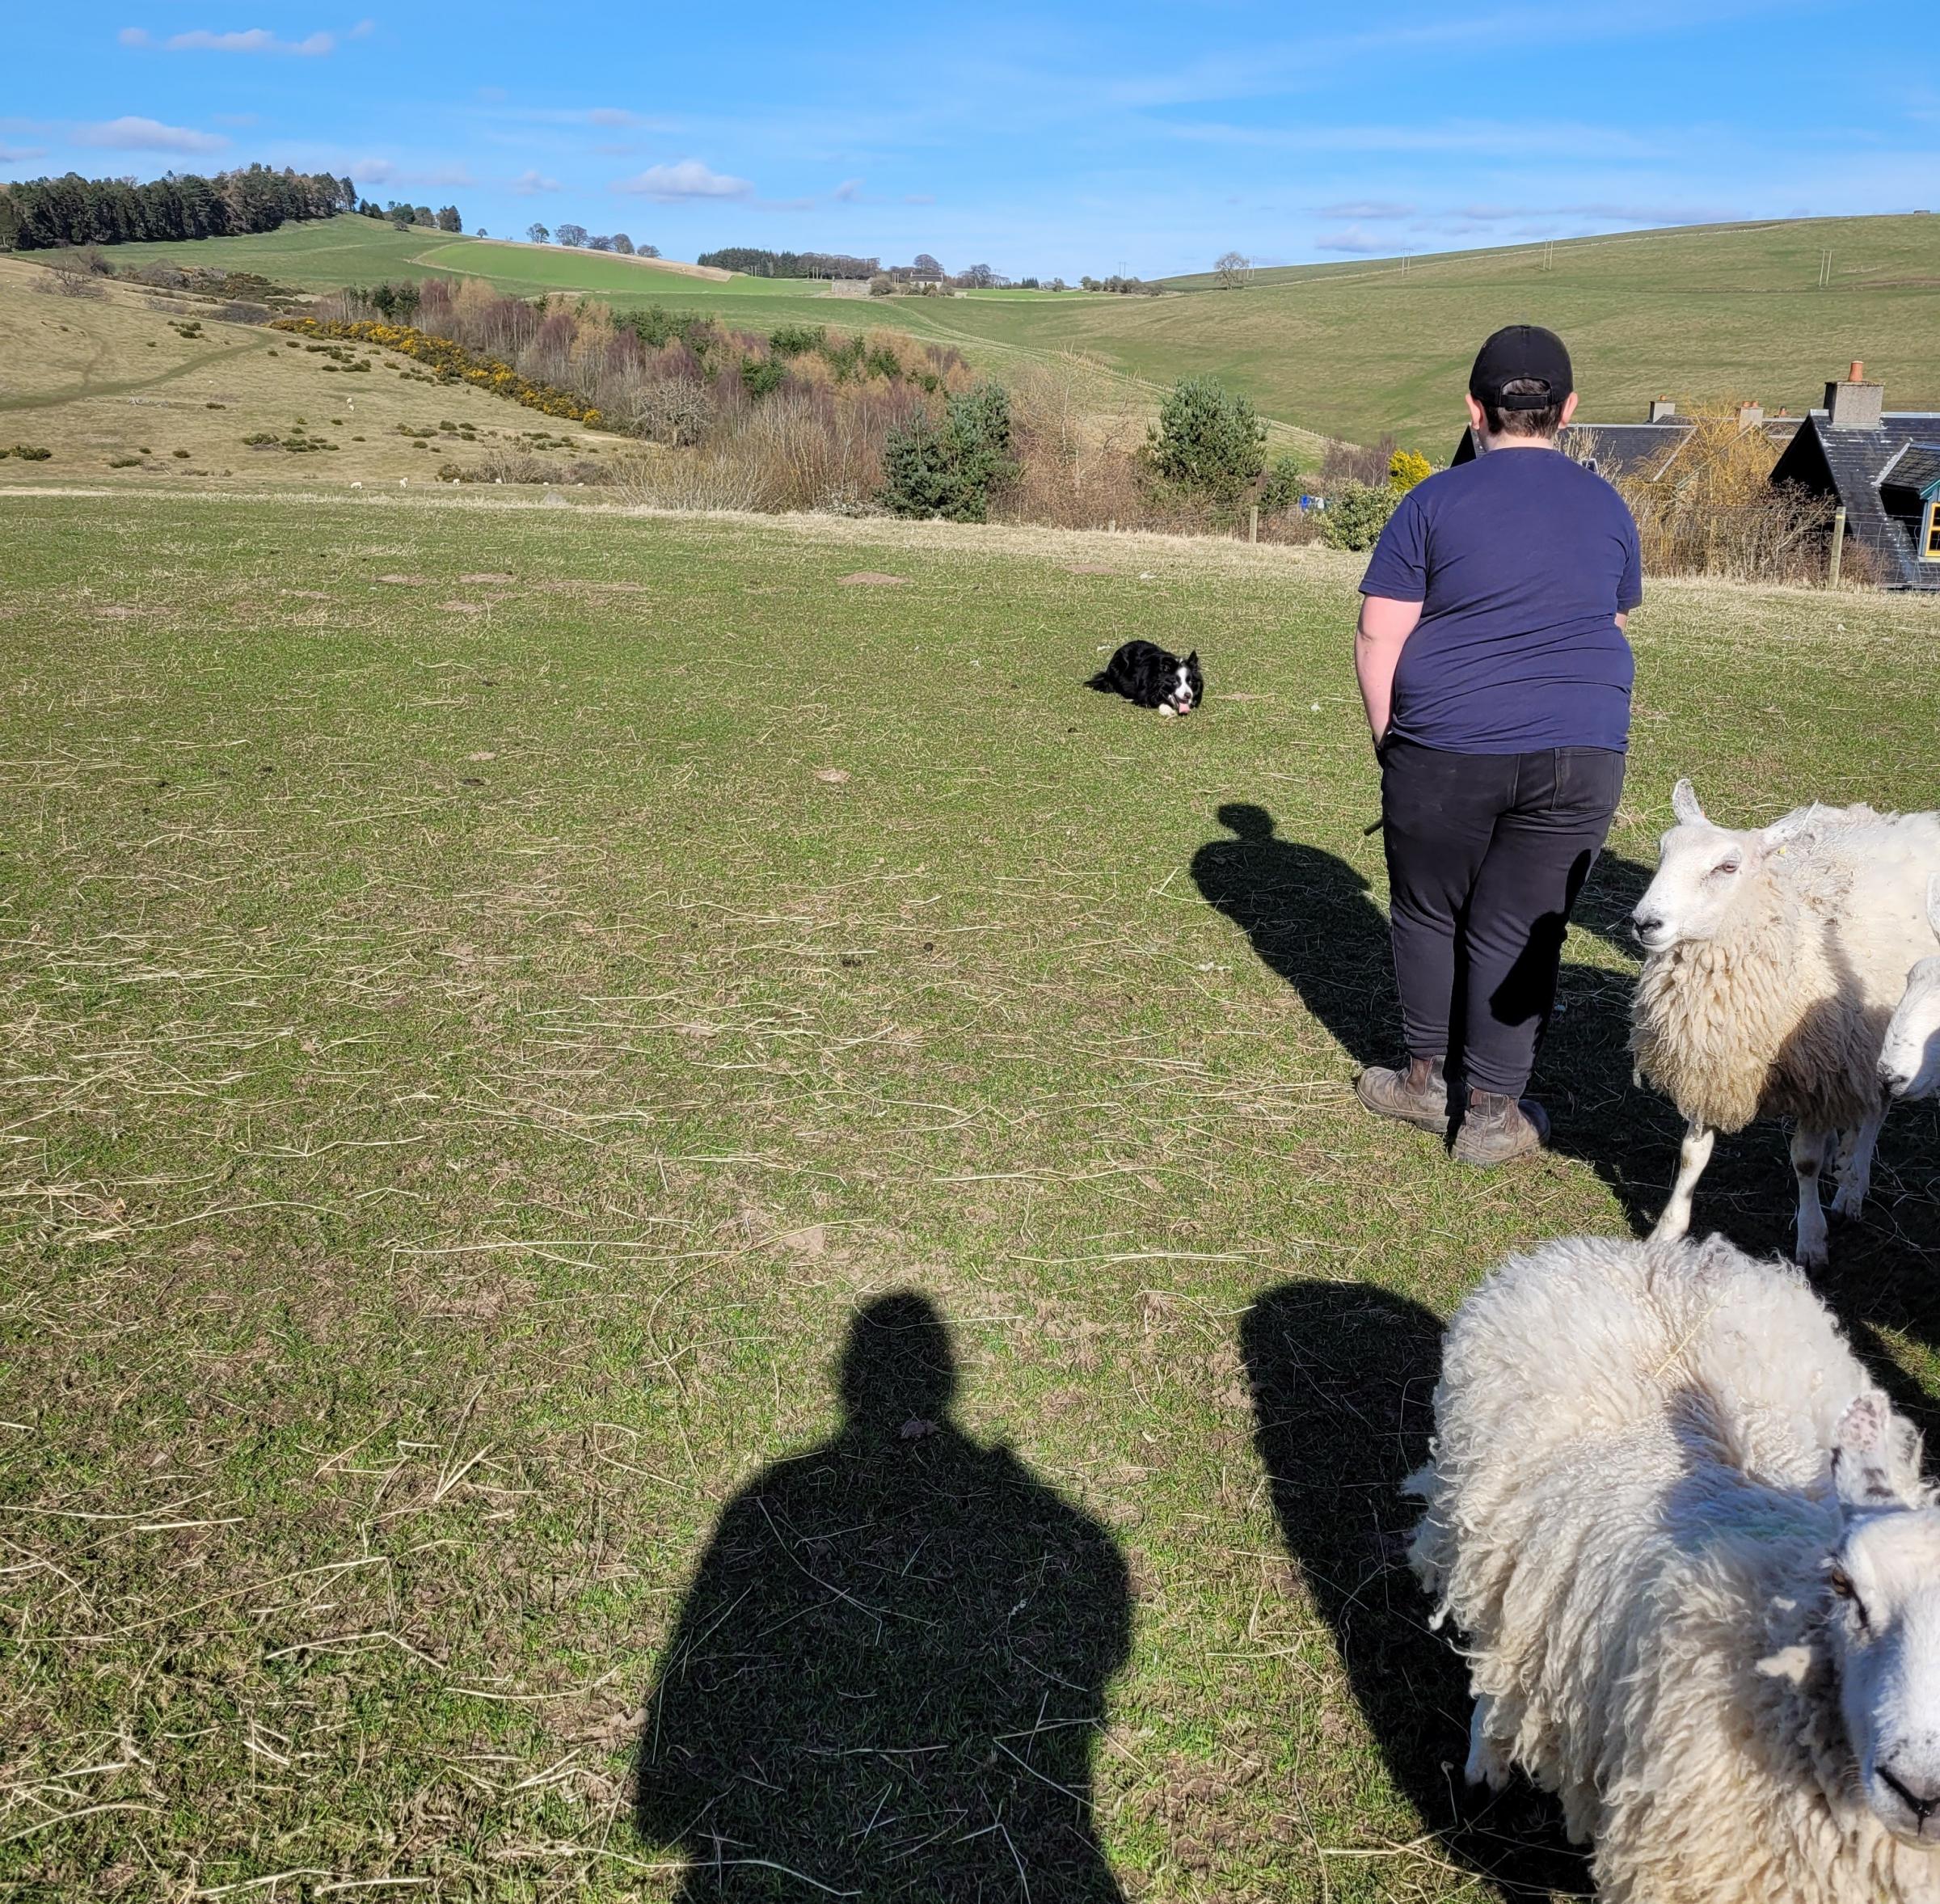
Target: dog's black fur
1148	676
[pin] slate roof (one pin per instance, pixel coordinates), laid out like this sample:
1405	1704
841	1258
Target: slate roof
1915	469
1644	450
1849	464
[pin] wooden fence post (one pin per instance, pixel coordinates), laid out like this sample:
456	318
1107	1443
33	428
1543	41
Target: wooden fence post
1253	523
1832	569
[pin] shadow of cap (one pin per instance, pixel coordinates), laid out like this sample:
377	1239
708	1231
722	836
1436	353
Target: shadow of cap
898	1365
1247	820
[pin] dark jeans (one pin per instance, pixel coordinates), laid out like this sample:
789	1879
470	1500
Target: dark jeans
1487	852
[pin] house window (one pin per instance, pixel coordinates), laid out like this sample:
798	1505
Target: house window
1929	543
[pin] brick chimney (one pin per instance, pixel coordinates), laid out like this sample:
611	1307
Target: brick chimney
1662	410
1854	404
1750	415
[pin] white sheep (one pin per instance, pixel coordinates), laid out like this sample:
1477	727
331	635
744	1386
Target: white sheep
1909	1055
1699	1575
1774	960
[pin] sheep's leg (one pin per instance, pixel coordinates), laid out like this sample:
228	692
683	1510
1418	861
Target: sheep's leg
1692	1157
1488	1762
1856	1165
1810	1151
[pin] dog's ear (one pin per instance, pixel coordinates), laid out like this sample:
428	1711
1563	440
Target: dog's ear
1193	656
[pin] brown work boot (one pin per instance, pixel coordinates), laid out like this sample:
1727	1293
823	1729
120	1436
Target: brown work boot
1499	1130
1418	1095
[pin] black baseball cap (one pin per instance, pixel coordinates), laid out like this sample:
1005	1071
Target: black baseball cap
1515	353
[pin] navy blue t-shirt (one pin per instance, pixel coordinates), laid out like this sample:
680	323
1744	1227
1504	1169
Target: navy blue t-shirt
1521	560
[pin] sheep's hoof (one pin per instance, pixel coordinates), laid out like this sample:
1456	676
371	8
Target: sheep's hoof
1850	1200
1813	1256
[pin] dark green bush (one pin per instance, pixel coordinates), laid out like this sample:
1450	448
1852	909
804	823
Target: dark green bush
1285	481
951	470
761	376
1208	440
794	340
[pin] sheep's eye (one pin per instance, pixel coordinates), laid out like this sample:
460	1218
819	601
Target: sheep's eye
1841	1583
1724	867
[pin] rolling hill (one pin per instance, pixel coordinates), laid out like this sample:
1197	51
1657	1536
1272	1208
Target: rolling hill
1354	349
126	387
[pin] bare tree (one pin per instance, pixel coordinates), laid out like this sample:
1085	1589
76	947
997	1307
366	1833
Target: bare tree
537	234
1233	271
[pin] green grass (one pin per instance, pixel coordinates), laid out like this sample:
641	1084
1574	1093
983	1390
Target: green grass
489	996
1354	349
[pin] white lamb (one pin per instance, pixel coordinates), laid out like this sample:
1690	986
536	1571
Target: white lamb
1909	1056
1698	1574
1773	960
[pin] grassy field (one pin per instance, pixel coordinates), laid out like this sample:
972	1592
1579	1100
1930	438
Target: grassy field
130	389
495	1005
1352	350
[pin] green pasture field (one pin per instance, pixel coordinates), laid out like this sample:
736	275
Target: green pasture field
1706	313
506	1012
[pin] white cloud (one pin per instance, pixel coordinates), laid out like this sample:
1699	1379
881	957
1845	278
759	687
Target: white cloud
1368	207
1353	240
611	115
847	192
257	39
133	134
670	184
16	154
529	184
362	30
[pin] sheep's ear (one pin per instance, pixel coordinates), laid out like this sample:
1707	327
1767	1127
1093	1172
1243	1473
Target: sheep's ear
1868	1451
1684	804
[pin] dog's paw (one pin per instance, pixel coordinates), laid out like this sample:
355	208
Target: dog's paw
1168	712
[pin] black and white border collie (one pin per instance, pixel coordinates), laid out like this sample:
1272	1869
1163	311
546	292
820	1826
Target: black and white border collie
1148	676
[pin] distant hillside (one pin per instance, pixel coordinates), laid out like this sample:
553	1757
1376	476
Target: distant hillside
1353	349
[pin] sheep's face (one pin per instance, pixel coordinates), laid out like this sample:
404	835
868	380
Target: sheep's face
1700	869
1883	1618
1909	1060
1885	1581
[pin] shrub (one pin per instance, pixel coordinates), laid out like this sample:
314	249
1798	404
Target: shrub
761	376
953	470
794	340
1405	468
28	452
1284	483
1206	439
181	454
1342	463
1356	515
124	462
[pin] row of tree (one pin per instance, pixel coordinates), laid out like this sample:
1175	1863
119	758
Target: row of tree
37	214
759	263
445	218
578	237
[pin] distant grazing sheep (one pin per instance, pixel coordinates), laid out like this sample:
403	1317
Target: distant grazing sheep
1773	960
1909	1057
1697	1573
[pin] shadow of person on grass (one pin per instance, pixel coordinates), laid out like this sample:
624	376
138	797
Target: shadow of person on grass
1342	1377
889	1674
1313	920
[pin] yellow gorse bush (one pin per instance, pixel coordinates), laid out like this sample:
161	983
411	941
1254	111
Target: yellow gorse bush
451	362
1405	468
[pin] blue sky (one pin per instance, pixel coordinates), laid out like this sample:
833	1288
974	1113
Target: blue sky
1066	137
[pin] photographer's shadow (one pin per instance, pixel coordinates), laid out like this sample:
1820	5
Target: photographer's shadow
889	1675
1343	1378
1312	919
